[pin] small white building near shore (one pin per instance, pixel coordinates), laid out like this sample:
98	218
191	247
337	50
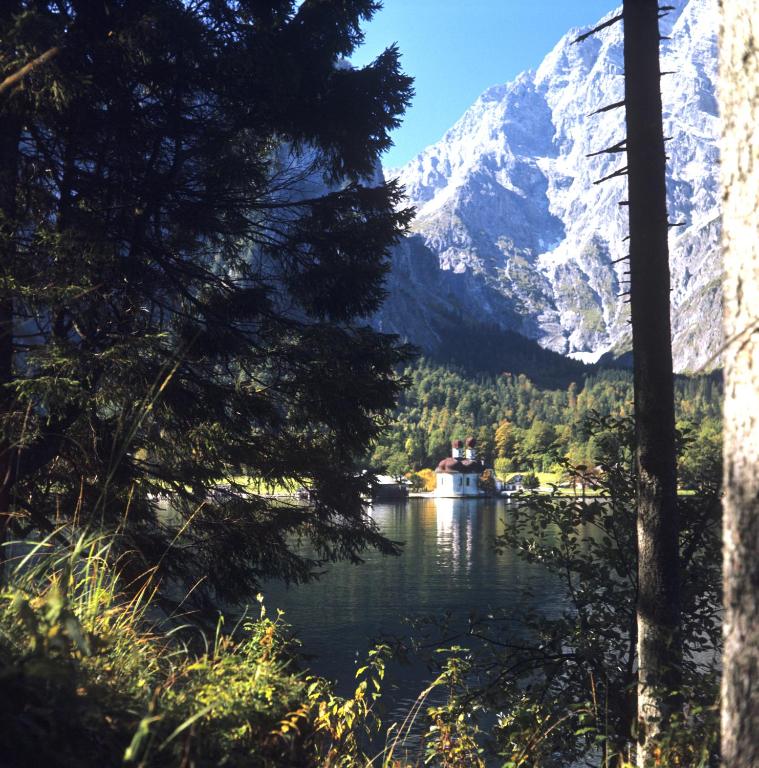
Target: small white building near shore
459	475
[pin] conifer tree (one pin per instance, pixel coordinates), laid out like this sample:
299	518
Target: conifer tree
191	231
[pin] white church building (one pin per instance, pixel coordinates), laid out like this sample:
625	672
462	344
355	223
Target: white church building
459	475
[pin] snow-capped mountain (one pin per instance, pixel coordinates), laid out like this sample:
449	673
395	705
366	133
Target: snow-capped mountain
507	200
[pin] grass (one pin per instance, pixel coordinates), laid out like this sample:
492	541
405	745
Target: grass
100	676
546	478
95	673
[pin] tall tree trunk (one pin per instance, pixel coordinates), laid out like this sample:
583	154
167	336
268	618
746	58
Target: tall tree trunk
9	149
659	646
10	134
739	101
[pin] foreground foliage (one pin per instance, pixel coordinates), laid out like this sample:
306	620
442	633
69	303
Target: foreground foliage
93	675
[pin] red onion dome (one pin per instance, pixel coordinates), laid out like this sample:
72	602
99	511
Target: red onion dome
457	444
465	466
450	465
471	442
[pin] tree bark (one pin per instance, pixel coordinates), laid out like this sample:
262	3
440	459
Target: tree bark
739	101
9	149
658	608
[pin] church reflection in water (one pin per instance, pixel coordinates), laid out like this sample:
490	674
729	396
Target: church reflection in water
448	566
462	528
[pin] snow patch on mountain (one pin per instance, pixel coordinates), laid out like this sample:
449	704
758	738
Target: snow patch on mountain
508	197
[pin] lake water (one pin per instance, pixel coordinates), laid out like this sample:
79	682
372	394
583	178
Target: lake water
448	564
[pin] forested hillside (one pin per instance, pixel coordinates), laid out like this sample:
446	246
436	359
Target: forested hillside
520	424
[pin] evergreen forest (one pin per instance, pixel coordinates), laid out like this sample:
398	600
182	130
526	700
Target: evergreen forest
519	425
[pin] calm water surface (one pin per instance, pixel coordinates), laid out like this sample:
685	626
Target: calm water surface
448	564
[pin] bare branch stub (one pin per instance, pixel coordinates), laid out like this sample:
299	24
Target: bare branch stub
618	172
618	148
593	31
621	258
608	108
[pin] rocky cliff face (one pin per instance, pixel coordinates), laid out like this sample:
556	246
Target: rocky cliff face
524	237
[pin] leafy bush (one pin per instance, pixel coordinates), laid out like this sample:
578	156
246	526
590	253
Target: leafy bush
567	687
423	480
93	676
95	673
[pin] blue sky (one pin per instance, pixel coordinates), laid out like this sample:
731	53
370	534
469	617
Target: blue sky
455	49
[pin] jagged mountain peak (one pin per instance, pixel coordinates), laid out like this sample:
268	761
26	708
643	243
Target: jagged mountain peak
507	196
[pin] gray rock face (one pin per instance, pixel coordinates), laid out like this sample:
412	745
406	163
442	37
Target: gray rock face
522	235
424	301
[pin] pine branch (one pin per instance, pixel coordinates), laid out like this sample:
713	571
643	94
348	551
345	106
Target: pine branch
621	258
618	172
608	108
593	31
17	76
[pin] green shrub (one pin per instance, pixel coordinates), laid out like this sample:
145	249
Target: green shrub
96	676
